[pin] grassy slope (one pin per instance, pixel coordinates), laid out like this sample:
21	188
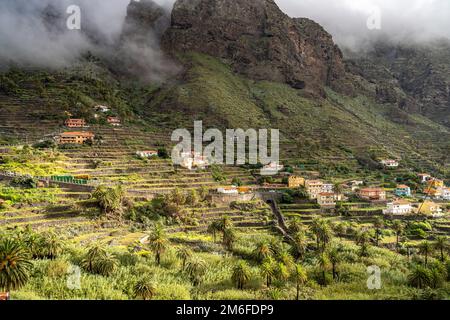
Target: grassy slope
212	92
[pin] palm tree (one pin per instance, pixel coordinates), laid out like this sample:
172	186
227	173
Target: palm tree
92	256
364	250
362	237
282	272
195	269
425	249
300	245
158	242
441	244
378	224
98	260
326	234
334	256
267	271
15	265
323	262
229	238
184	254
241	275
275	246
285	258
213	229
262	251
420	277
316	230
296	226
398	228
323	232
300	277
106	265
109	199
224	224
144	288
50	245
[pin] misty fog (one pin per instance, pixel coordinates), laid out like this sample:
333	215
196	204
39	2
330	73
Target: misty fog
24	38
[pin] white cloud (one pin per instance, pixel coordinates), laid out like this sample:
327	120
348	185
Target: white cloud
400	19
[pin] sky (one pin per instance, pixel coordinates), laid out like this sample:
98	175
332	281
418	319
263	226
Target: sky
346	20
24	38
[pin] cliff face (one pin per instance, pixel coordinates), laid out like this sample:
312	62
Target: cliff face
258	40
415	77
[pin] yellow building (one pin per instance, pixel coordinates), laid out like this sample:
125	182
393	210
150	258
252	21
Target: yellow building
296	182
435	184
430	208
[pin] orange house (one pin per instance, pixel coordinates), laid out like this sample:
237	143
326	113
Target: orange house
75	137
435	183
75	123
372	194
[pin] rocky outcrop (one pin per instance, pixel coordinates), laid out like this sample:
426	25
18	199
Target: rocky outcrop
258	40
415	77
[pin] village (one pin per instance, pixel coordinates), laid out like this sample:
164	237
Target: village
52	186
432	200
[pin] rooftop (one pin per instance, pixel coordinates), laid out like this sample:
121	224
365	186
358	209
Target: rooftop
77	134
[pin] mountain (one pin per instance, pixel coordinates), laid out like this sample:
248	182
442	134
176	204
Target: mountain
416	77
259	41
245	64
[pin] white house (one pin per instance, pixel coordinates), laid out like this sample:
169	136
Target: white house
103	109
147	154
327	199
355	184
424	177
191	160
443	193
271	169
228	190
399	207
327	188
390	163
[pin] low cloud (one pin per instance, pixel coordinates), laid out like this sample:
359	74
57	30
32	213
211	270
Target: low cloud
401	20
26	39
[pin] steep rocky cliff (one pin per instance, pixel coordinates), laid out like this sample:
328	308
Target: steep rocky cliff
416	77
258	40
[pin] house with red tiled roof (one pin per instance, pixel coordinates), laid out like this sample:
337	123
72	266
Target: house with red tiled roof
114	121
372	194
75	137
